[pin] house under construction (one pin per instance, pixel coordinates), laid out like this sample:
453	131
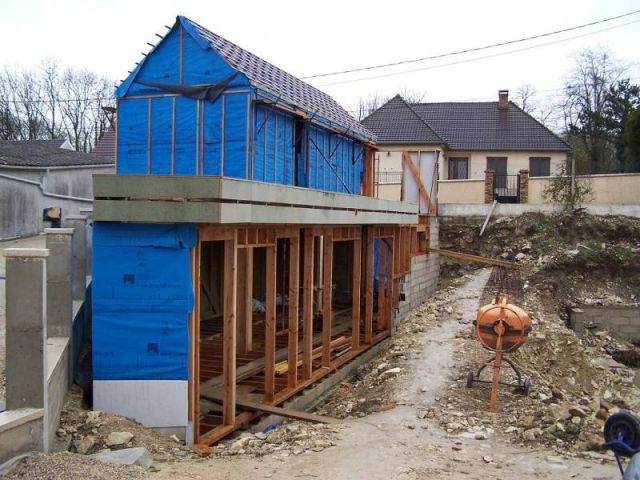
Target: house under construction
239	252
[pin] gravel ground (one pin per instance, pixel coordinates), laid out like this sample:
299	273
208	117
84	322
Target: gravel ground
69	466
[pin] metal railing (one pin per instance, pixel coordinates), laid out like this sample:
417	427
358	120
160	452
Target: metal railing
388	178
506	188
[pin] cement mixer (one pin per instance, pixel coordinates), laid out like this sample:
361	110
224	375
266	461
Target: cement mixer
501	327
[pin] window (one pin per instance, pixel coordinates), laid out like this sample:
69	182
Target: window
458	168
539	166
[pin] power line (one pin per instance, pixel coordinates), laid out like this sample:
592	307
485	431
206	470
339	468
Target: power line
469	60
470	50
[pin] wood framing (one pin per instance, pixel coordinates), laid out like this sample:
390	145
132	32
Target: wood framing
327	288
355	289
229	332
368	309
307	304
294	283
270	325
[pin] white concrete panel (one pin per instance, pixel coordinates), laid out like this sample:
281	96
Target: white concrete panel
154	403
426	168
409	186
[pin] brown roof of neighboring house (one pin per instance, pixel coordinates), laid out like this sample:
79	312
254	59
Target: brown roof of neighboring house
106	146
462	126
44	153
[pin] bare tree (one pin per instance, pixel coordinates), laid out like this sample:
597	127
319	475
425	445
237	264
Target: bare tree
583	109
524	97
51	103
367	105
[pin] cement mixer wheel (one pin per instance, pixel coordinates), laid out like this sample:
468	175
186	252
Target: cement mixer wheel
624	426
470	379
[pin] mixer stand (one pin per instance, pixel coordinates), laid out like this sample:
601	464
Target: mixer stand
521	387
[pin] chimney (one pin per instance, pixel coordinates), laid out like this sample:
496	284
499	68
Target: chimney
503	99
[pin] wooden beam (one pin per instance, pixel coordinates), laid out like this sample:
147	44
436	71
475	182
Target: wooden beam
248	301
241	322
327	286
382	310
283	412
368	292
229	331
355	300
406	157
294	282
474	258
307	305
270	326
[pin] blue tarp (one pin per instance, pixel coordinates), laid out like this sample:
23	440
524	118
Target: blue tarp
142	296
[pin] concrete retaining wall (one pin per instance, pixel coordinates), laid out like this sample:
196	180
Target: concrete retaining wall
20	432
622	322
25	193
515	209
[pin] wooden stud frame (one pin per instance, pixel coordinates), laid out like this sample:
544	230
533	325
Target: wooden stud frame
239	242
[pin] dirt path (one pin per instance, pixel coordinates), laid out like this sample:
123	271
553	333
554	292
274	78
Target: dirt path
397	444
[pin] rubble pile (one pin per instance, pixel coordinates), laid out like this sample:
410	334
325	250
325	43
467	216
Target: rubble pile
86	432
291	438
373	388
560	254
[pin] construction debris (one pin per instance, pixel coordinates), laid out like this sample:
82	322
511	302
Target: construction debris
292	438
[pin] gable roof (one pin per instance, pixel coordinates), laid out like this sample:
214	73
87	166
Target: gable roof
272	80
44	153
463	126
396	123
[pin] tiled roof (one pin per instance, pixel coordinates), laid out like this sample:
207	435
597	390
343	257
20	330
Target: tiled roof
280	83
396	123
483	126
44	153
462	126
106	146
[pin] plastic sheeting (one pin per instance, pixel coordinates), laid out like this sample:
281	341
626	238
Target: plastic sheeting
142	296
335	162
274	146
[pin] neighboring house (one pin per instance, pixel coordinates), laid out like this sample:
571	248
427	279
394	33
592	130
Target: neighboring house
465	139
37	174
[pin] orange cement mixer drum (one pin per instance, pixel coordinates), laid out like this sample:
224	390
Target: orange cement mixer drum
502	327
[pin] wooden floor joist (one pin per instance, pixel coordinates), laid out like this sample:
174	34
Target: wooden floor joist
283	412
474	258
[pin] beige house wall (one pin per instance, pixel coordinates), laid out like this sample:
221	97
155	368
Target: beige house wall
391	191
516	161
618	189
461	191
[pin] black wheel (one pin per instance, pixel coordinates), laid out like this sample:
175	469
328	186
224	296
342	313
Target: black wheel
470	379
623	426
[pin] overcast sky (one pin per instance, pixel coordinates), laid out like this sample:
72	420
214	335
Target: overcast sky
307	38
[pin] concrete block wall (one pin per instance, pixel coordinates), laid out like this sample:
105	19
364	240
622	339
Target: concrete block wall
422	279
622	322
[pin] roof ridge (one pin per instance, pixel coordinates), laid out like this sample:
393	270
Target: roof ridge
331	107
423	120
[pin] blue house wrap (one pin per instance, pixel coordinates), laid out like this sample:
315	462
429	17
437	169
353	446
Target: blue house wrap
198	104
141	286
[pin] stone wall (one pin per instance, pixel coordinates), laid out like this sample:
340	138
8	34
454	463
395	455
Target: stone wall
622	322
